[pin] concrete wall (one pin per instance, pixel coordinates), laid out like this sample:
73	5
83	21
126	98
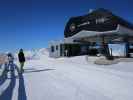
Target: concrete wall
56	52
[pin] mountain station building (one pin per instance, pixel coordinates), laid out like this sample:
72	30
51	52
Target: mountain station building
92	33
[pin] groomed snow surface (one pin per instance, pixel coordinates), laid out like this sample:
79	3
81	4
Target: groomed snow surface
67	79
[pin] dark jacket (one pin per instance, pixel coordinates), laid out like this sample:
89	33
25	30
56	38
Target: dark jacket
21	57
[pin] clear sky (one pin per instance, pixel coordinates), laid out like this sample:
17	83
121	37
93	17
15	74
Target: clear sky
31	24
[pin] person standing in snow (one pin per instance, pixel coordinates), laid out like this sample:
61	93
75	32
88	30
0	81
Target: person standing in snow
21	59
10	62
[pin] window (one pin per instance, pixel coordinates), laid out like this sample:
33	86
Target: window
57	47
52	48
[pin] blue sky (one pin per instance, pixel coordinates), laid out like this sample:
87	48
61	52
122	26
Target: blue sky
31	24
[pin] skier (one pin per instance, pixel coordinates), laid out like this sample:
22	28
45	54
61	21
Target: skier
21	59
9	66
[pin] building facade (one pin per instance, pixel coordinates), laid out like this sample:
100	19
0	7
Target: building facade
91	33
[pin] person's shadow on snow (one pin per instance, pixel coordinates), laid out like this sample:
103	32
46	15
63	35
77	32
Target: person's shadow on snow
21	89
10	77
3	77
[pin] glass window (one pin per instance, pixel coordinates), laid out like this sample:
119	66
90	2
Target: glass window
52	48
57	47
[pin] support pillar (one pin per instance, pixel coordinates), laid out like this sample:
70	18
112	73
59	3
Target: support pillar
126	40
105	49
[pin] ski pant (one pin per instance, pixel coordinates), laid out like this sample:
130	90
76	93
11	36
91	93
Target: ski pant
21	65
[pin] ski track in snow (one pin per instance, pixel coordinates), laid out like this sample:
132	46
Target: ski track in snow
71	79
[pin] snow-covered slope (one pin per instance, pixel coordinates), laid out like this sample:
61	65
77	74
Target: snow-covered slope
68	79
34	54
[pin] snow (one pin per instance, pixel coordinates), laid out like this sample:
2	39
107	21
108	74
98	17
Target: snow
76	78
34	54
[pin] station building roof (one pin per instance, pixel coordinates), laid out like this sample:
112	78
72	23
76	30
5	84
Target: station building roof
100	22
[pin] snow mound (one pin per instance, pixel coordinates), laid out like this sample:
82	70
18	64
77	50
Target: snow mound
44	51
34	54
